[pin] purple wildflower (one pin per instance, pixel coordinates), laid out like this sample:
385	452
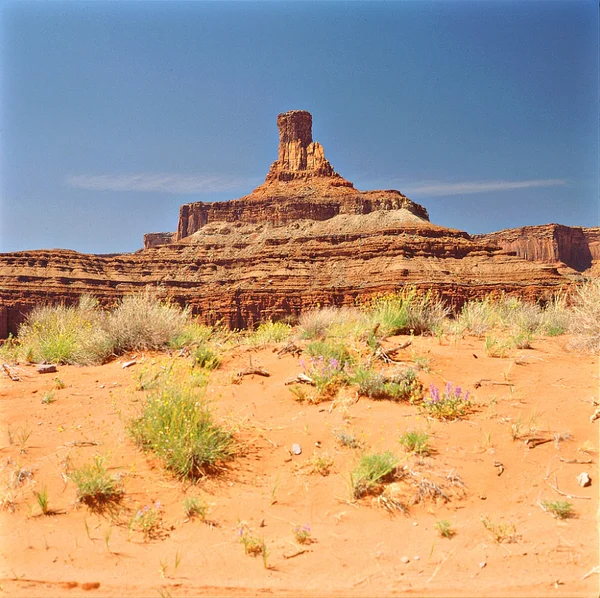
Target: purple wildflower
448	391
457	392
466	397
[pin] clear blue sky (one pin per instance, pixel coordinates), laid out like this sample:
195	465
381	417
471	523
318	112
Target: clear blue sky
114	114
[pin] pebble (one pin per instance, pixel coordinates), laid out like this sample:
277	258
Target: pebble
416	558
584	480
296	449
46	368
405	559
415	523
482	564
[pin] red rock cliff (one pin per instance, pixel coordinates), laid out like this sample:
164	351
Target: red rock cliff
301	184
573	246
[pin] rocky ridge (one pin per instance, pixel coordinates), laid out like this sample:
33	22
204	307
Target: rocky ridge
304	238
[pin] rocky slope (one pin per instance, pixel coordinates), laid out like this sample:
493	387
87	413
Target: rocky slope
573	246
304	238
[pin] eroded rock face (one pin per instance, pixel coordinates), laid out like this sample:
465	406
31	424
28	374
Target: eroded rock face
301	183
574	246
305	238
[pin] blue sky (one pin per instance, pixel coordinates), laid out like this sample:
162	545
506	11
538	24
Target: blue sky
113	114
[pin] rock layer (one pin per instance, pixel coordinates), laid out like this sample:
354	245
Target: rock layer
573	246
304	238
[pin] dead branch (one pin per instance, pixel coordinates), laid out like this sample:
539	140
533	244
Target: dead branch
290	348
300	379
295	554
249	371
555	488
491	382
578	461
12	375
536	441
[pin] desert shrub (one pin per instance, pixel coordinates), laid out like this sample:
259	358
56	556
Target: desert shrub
561	509
191	334
476	317
403	385
95	486
585	317
314	324
415	441
66	334
449	405
329	350
177	425
148	520
372	470
406	311
444	528
194	506
327	374
142	322
269	332
10	349
204	357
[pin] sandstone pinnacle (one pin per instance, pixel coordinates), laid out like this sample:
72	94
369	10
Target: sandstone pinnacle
298	156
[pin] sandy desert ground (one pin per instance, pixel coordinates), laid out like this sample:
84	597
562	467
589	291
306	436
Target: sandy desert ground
528	439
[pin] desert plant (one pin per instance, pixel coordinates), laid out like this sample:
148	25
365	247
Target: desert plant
59	384
96	488
142	321
402	385
269	332
585	318
347	438
177	425
372	470
48	398
321	464
444	528
253	546
302	534
476	317
204	357
408	310
66	334
449	405
496	347
416	442
501	532
42	500
195	507
148	520
328	374
561	509
190	335
317	323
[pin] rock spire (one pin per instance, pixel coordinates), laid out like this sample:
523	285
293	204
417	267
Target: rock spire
299	157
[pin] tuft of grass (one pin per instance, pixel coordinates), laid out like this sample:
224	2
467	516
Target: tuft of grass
177	425
403	385
48	398
269	332
321	464
561	509
192	334
204	357
585	318
327	372
416	442
444	529
495	347
407	311
195	507
326	322
96	488
253	546
59	384
372	470
502	532
42	500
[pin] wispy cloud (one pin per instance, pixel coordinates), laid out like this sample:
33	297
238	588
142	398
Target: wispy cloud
164	182
440	188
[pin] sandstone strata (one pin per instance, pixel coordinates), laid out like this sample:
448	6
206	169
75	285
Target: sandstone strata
573	246
304	238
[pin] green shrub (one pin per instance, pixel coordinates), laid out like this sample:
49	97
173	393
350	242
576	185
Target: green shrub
204	357
408	311
403	385
372	470
329	350
269	332
444	528
191	334
193	506
416	442
95	486
66	334
449	405
561	509
178	426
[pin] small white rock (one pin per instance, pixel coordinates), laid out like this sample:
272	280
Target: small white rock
296	449
416	558
584	480
415	523
482	564
405	560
